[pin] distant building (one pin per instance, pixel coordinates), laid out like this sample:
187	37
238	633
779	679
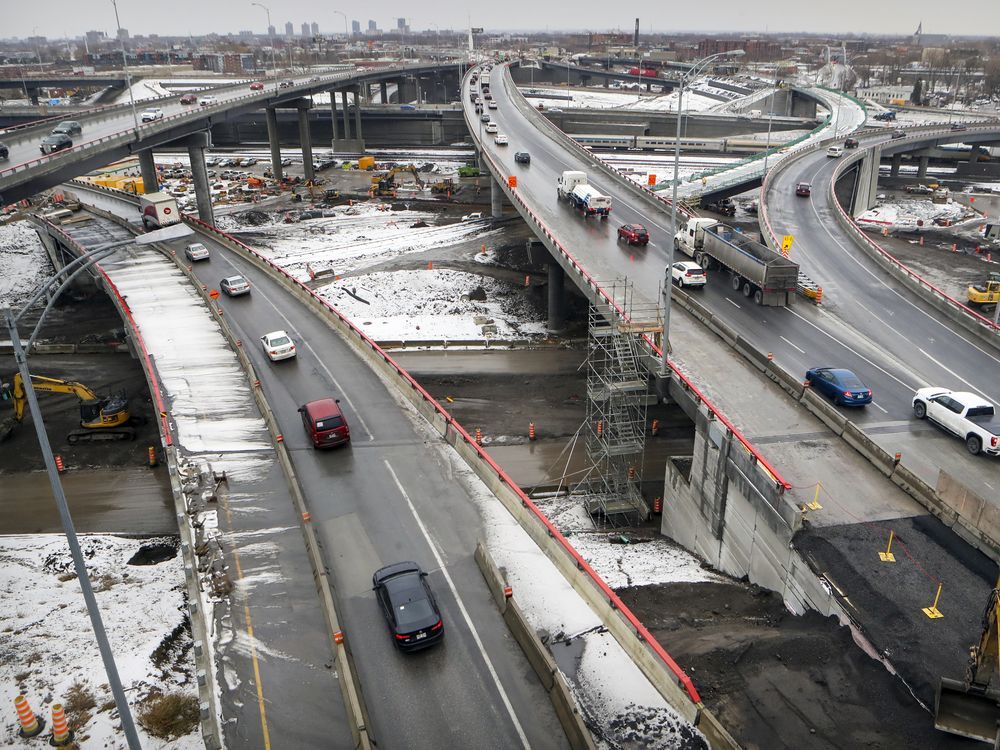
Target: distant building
289	29
755	49
886	94
372	27
224	62
123	34
271	31
305	29
245	34
95	38
315	28
355	27
401	24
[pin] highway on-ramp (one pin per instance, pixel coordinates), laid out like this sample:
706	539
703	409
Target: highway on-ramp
801	336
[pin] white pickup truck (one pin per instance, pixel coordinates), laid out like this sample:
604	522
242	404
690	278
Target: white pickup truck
965	415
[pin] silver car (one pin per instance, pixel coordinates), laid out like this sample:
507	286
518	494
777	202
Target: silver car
234	286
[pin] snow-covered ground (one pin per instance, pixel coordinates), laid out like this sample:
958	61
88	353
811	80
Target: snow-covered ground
913	214
23	263
610	99
358	242
47	644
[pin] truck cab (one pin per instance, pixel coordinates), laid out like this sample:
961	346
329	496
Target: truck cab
690	239
568	181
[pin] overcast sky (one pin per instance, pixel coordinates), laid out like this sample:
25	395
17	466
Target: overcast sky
58	18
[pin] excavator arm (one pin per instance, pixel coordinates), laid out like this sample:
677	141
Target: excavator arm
52	385
971	708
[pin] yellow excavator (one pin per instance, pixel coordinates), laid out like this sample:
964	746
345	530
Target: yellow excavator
985	296
384	183
971	707
104	418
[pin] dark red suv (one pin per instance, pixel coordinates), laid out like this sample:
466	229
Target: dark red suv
633	234
325	423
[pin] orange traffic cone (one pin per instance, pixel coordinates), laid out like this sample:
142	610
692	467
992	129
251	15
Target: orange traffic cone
60	466
479	436
31	725
531	430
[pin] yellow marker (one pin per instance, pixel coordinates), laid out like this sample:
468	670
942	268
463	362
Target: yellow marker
814	505
932	611
887	556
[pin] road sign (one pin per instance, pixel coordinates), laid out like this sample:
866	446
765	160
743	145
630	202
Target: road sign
214	294
786	244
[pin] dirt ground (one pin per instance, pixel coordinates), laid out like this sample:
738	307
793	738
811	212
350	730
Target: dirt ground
780	681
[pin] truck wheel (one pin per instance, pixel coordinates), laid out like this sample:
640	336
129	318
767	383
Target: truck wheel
747	290
974	444
737	282
758	297
919	409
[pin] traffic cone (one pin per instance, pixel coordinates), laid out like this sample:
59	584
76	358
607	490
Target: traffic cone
61	733
657	505
655	426
531	430
479	436
60	466
31	725
152	457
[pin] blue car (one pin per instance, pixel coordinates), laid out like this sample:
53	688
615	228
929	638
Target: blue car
843	386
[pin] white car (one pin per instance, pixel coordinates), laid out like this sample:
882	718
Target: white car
492	105
151	114
835	152
278	345
204	101
501	140
475	216
686	273
196	251
491	127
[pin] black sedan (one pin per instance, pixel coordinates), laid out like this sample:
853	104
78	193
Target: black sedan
408	605
843	386
55	142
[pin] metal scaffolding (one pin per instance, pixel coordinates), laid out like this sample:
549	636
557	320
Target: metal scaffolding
617	388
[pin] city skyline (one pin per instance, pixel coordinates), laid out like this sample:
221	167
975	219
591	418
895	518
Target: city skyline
894	17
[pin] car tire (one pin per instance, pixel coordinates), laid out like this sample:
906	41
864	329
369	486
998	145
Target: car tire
974	444
919	409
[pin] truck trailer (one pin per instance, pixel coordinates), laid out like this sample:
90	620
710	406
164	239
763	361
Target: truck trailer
158	210
587	199
768	277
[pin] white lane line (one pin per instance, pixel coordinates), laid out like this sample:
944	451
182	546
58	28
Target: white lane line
853	351
461	605
870	312
732	303
302	340
952	373
884	411
800	351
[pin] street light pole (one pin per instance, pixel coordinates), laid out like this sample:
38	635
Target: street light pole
128	78
270	31
667	275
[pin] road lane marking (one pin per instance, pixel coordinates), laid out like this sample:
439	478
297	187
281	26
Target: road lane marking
884	411
850	349
319	361
800	351
952	373
461	605
732	303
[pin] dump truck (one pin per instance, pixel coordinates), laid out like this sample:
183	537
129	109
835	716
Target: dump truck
985	296
158	210
767	277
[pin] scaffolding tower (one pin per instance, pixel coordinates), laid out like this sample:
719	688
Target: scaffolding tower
617	390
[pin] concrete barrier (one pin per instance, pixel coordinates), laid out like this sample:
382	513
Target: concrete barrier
819	407
495	579
918	489
752	355
788	382
864	445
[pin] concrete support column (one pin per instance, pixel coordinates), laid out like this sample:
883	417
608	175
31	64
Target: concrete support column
496	199
334	126
974	152
897	160
147	168
347	115
557	297
358	136
33	96
385	92
922	167
275	142
305	140
199	174
866	183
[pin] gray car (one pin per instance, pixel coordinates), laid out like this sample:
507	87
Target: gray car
55	142
68	127
234	286
4	153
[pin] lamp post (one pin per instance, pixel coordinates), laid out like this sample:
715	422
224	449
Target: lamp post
128	77
347	34
770	115
693	70
270	32
79	563
34	41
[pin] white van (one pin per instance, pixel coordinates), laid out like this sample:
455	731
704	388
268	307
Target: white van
835	152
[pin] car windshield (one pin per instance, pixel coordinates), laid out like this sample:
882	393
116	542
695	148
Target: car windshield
280	340
329	423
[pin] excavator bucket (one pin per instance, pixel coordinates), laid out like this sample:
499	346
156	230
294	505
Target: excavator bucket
969	713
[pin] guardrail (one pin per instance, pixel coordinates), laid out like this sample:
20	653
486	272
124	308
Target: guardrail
970	320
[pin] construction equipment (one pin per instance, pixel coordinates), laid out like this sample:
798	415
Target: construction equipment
384	183
104	418
446	185
986	295
971	707
468	171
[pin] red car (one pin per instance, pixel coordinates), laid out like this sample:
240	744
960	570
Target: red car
634	234
256	86
325	423
189	99
804	189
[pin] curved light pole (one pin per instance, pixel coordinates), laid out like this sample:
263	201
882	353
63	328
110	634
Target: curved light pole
270	32
128	77
695	69
347	34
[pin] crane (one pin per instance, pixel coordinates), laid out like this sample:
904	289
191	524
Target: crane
104	418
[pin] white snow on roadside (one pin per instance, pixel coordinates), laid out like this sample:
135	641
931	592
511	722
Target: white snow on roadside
23	263
430	304
48	644
912	214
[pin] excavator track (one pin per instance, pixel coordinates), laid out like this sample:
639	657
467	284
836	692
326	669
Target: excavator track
94	436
